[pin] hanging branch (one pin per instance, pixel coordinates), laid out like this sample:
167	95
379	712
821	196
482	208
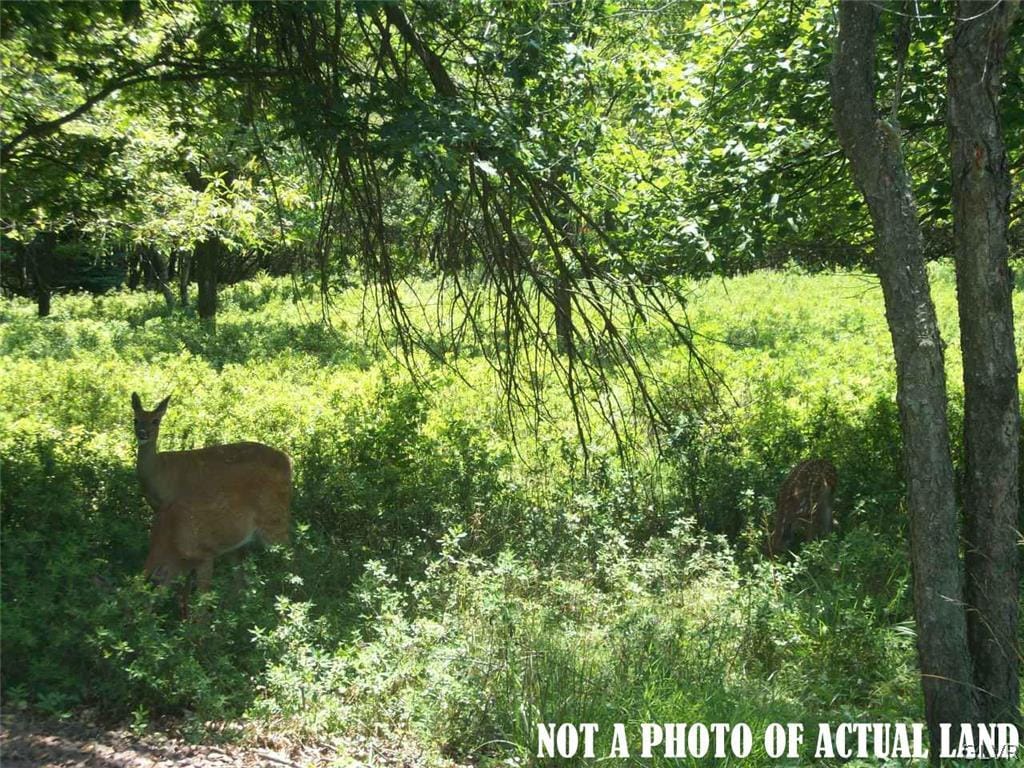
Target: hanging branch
474	239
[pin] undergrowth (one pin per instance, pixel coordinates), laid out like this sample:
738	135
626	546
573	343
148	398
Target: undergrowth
455	578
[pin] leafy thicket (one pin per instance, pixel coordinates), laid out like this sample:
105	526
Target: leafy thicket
444	578
123	147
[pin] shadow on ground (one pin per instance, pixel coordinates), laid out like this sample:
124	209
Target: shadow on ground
35	743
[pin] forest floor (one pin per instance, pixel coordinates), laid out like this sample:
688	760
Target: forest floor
27	742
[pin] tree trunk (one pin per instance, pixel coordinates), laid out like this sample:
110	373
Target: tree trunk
873	147
41	259
158	271
563	315
562	298
207	258
43	301
981	202
184	270
132	260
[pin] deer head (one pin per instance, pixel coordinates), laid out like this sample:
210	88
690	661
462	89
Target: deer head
147	423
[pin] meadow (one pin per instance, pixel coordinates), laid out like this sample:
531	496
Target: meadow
459	573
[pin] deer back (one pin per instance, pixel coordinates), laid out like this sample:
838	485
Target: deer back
254	474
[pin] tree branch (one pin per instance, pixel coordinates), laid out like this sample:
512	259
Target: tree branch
443	83
46	128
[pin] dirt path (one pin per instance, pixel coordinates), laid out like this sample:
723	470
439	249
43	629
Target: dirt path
29	743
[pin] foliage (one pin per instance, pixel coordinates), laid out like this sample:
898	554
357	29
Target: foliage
444	579
155	165
460	569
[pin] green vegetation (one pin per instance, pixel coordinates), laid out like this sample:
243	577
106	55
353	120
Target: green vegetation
447	584
544	300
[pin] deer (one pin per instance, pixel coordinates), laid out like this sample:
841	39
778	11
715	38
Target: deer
803	508
208	501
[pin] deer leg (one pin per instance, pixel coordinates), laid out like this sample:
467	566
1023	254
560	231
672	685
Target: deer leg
237	556
204	575
237	559
183	595
783	537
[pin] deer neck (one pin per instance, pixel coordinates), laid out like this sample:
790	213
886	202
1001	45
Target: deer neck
146	468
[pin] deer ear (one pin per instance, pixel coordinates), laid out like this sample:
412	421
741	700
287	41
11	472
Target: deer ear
136	403
163	404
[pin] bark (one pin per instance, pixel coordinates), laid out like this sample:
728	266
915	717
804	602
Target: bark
981	201
43	301
132	259
872	146
184	272
439	77
41	258
563	285
207	260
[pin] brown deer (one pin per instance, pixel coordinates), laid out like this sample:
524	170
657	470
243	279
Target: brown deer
803	509
208	501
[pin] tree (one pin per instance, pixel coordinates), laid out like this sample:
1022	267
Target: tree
109	112
207	260
873	146
968	658
981	205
